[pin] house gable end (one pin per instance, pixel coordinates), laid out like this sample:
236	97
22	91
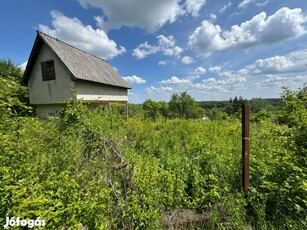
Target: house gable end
42	90
39	42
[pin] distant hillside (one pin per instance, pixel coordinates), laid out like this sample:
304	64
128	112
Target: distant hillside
274	101
222	104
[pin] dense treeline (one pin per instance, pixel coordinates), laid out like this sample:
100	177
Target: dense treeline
183	106
94	169
223	104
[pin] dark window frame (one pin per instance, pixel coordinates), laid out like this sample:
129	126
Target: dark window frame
48	70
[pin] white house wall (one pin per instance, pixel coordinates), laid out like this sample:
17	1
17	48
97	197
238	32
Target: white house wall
43	111
89	91
54	91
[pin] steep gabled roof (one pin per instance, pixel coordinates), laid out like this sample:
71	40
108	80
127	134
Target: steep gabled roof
82	65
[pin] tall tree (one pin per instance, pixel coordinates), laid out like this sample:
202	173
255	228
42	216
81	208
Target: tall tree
182	105
235	105
8	69
151	109
258	104
13	96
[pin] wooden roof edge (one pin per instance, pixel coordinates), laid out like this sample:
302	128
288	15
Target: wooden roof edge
30	63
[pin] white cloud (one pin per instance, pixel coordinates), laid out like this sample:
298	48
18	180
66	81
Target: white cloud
158	90
193	6
275	78
187	60
226	85
23	66
144	50
242	73
84	37
288	66
134	79
229	83
301	78
263	77
227	74
207	85
149	15
260	4
271	73
166	46
175	81
245	3
277	81
212	81
273	64
292	63
206	39
200	70
210	85
212	17
284	24
225	7
215	69
163	62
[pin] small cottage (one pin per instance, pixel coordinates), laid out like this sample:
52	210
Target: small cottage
57	72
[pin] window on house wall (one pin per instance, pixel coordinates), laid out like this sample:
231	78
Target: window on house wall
48	71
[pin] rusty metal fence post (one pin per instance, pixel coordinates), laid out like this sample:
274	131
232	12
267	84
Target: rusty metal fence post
127	110
245	147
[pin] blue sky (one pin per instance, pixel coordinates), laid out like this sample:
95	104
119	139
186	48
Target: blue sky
212	49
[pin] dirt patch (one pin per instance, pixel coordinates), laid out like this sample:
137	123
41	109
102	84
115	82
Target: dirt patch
184	219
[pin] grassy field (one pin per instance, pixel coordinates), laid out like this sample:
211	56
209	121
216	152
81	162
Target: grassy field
94	169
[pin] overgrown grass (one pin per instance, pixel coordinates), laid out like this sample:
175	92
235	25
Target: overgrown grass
94	169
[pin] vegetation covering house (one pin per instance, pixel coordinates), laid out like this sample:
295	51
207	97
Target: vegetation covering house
57	72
